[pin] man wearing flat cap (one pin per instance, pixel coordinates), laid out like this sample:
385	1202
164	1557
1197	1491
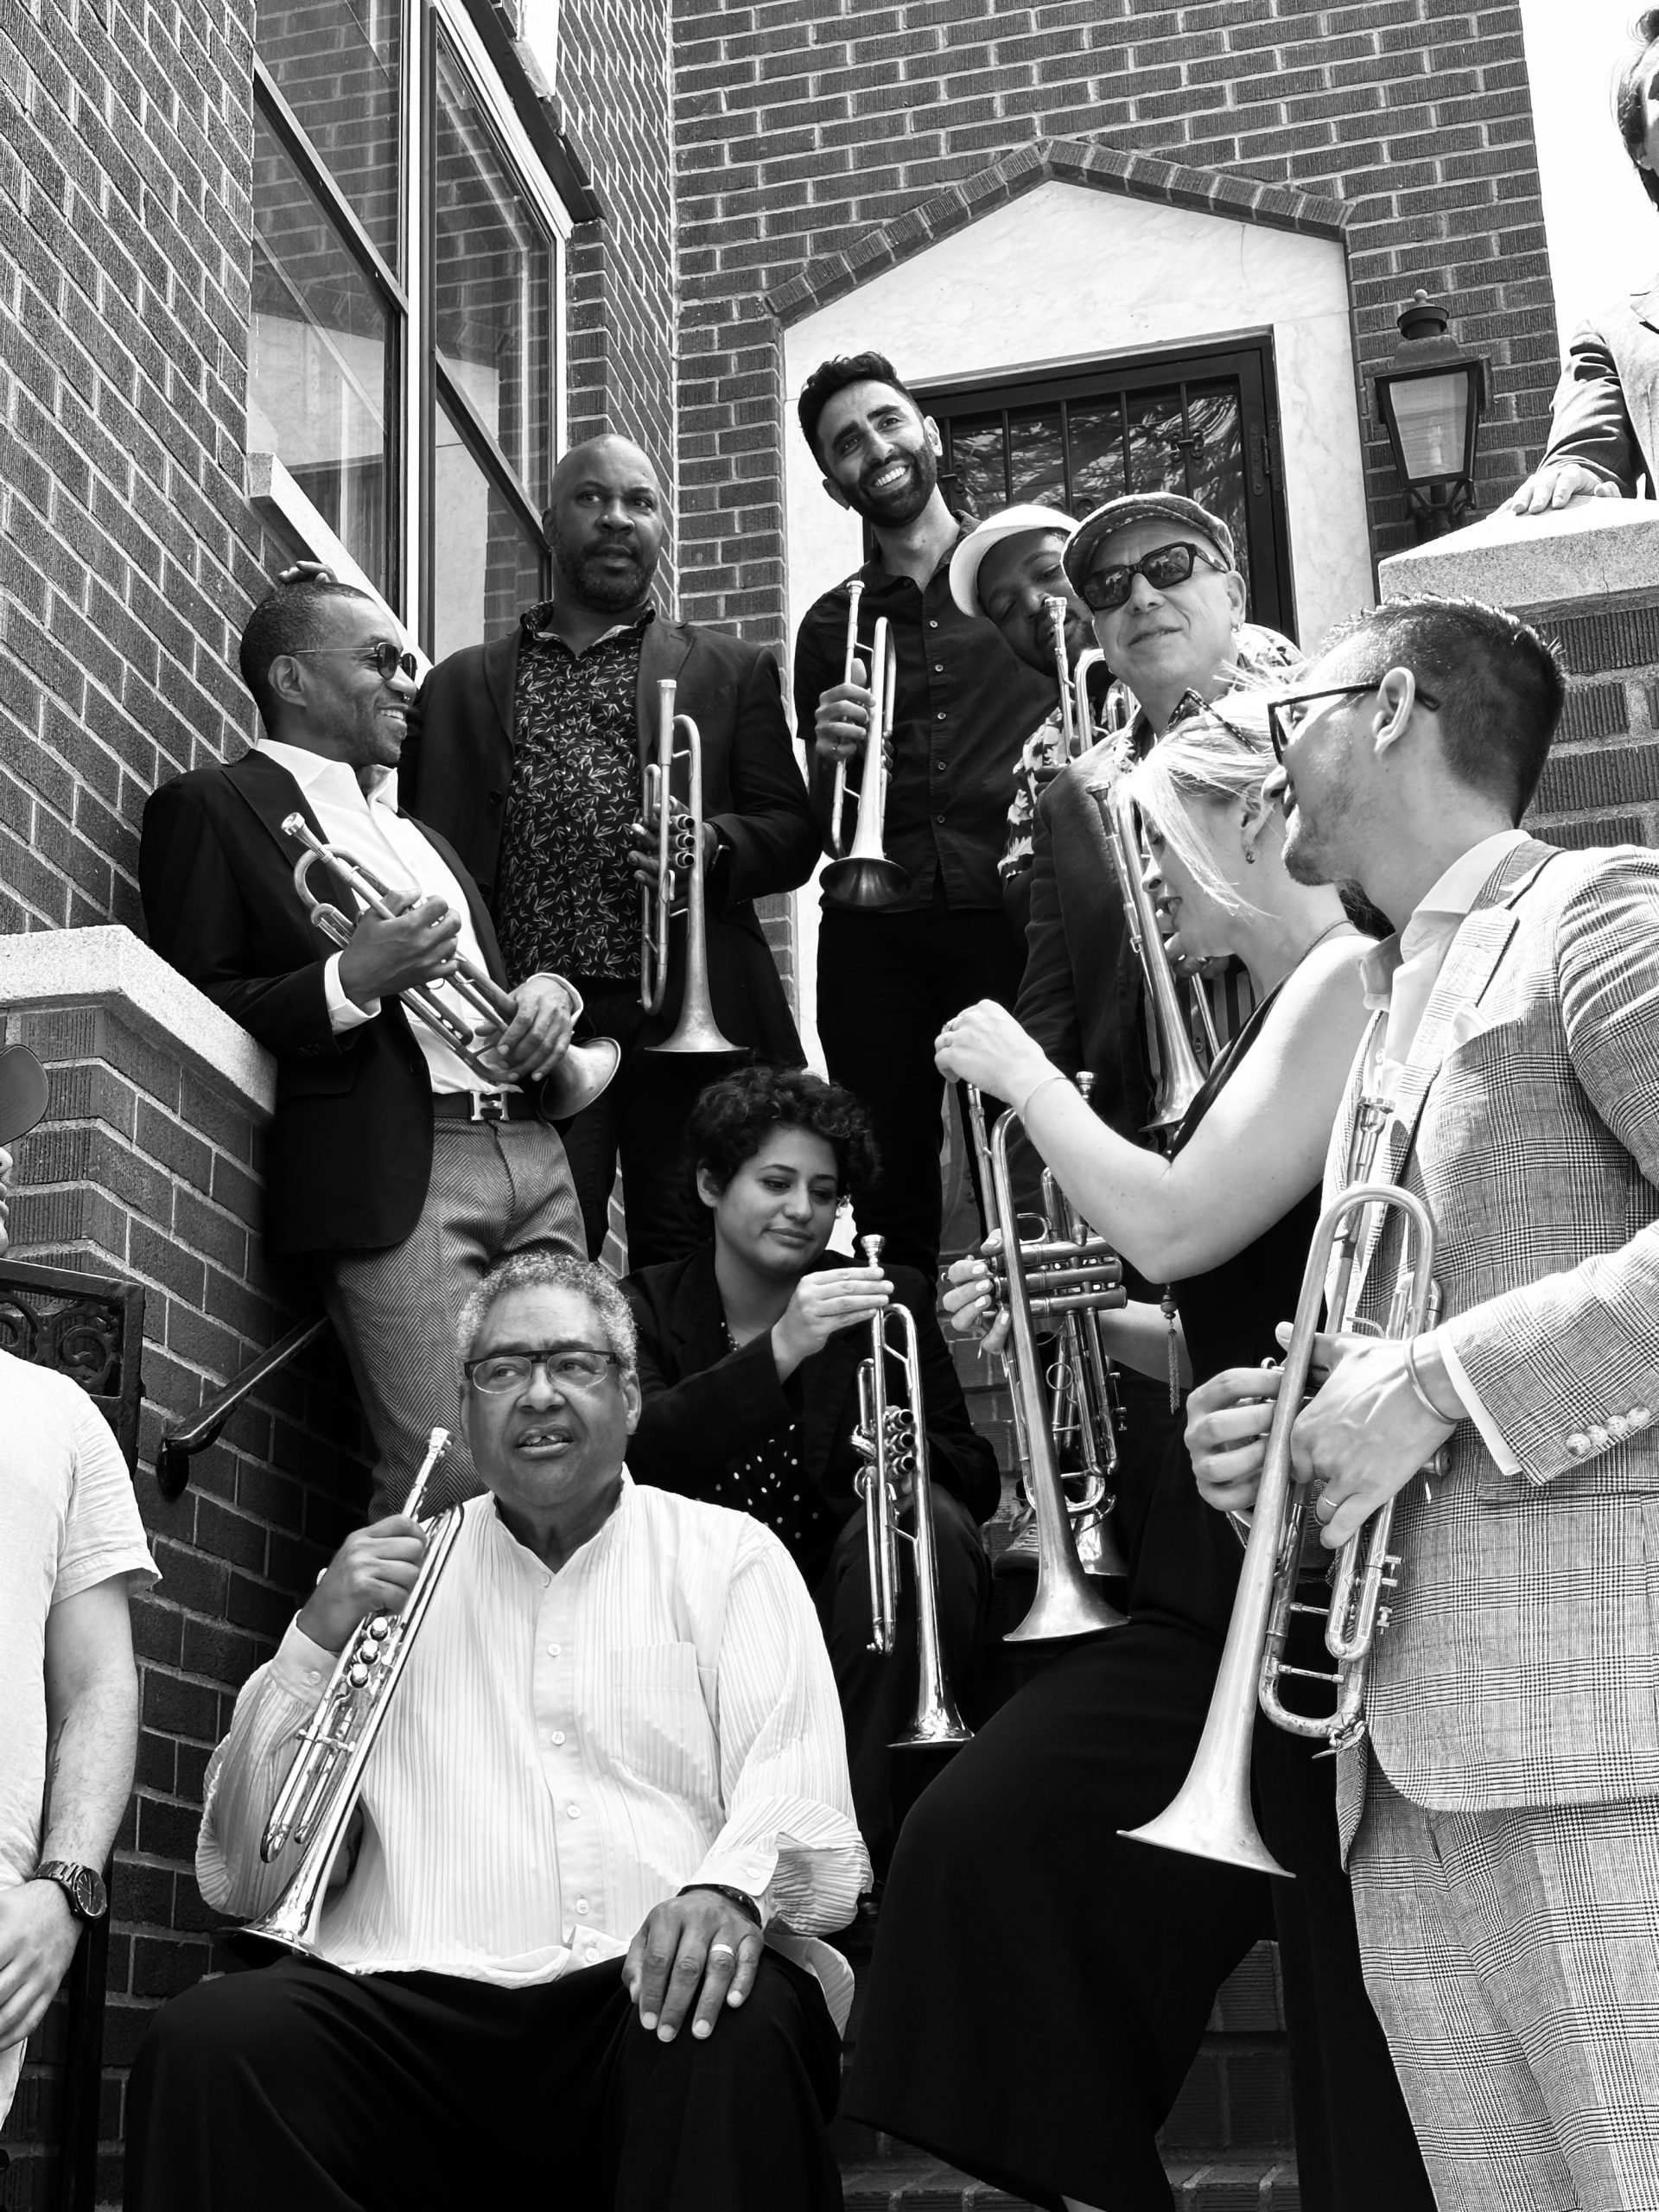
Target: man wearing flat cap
72	1547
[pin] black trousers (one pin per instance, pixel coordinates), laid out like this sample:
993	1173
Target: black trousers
878	1692
299	2089
641	1122
887	983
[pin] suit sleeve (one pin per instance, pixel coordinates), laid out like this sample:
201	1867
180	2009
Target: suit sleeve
1047	1004
817	666
691	1426
773	843
1589	421
199	922
959	1459
1576	1350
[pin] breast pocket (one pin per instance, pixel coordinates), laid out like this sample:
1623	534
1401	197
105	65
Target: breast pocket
658	1721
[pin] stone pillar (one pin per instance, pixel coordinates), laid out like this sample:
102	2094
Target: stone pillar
1589	578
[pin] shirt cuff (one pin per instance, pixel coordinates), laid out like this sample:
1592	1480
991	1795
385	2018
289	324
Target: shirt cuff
750	1871
343	1012
301	1667
1491	1435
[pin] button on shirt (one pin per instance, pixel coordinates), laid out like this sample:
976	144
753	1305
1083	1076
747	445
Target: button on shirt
964	705
368	829
565	1752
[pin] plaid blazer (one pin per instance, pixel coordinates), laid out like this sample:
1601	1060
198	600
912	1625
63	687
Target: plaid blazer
1521	1665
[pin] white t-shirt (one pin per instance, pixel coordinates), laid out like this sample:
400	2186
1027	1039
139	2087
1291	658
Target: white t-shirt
68	1521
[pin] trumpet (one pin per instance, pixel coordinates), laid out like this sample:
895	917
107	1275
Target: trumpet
679	831
1211	1814
1070	1275
1180	1076
892	1440
863	875
580	1076
314	1805
1076	722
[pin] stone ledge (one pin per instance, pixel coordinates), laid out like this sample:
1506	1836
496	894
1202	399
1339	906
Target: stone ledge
47	970
1602	550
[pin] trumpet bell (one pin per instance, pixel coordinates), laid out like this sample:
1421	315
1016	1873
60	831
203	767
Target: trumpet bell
864	879
585	1072
1205	1821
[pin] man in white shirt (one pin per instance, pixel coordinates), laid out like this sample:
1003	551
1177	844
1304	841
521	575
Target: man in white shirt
608	1811
392	1167
1502	1820
71	1548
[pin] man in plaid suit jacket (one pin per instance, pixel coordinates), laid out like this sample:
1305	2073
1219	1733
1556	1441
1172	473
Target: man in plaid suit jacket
1502	1822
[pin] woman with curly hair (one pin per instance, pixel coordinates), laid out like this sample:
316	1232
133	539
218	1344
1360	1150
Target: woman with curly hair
748	1358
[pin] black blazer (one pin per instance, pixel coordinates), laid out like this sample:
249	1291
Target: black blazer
457	771
1605	411
350	1152
707	1408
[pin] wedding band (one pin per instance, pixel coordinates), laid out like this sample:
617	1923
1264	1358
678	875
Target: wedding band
717	1950
1322	1500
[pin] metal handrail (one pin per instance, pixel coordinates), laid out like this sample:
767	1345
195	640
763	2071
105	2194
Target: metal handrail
186	1438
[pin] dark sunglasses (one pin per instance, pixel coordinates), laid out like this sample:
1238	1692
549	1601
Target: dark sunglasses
386	659
1103	589
1286	716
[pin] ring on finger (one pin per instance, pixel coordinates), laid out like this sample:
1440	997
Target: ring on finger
723	1951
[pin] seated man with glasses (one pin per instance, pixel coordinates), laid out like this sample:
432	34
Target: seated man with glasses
606	1816
393	1169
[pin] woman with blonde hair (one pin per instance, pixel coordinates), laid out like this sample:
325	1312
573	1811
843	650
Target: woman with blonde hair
1040	1983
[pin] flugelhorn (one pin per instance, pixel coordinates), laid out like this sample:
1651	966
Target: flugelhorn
1054	1275
892	1440
1211	1815
314	1805
1180	1076
679	832
577	1080
863	875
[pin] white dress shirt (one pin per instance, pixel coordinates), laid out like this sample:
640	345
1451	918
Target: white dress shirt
1404	991
565	1752
369	830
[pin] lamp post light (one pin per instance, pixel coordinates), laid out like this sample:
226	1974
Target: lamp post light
1432	396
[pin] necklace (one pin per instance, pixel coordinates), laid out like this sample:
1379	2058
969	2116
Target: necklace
1330	930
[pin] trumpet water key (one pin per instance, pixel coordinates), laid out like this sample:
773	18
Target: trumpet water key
892	1440
679	832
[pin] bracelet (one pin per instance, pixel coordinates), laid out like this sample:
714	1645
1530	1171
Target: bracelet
1421	1394
740	1898
1042	1085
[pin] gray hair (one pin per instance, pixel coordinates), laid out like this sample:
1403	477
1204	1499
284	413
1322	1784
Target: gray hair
1215	758
555	1271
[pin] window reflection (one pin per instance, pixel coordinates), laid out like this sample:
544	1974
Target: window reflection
1036	456
492	304
317	358
485	565
339	65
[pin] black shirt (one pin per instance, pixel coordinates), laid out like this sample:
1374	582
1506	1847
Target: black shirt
964	707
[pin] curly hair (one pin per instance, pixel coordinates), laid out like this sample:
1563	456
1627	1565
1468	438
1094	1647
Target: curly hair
556	1271
732	1119
1628	109
833	376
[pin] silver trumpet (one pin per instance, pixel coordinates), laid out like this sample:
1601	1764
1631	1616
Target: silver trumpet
449	1003
1180	1076
863	875
679	831
1211	1815
314	1805
892	1440
1076	722
1074	1277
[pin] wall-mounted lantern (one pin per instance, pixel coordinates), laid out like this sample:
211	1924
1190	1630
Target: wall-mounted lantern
1432	396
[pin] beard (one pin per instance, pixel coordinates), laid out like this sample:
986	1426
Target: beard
893	509
596	583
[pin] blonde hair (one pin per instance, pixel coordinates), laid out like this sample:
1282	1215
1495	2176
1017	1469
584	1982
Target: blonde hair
1215	758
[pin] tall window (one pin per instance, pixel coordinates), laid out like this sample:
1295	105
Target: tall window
1204	424
402	369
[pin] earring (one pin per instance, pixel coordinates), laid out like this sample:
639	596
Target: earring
1249	855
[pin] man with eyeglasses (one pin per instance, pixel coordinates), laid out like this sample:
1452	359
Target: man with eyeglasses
394	1171
1501	1819
574	1925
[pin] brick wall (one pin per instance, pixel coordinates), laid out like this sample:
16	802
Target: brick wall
803	125
1601	784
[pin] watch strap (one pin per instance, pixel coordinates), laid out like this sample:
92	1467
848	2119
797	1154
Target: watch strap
82	1886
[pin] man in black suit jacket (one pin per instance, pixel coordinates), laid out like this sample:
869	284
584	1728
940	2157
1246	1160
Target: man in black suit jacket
391	1167
528	756
749	1352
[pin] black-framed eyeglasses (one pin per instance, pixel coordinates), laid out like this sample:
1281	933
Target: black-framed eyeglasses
1286	716
567	1367
1106	589
386	659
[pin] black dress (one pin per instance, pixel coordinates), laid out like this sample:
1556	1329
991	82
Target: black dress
1040	1984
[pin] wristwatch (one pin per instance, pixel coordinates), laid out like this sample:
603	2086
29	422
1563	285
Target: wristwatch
82	1886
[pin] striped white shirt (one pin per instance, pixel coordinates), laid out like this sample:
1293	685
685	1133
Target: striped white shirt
566	1750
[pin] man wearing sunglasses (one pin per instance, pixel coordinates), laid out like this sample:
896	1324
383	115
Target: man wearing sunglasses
393	1170
607	1819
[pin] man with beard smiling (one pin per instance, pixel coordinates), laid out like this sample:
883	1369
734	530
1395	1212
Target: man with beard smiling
964	706
527	755
390	1171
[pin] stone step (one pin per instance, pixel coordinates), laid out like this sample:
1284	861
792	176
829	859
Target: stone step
1259	2182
